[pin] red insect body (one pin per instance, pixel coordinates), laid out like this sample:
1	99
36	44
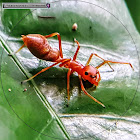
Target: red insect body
39	47
93	75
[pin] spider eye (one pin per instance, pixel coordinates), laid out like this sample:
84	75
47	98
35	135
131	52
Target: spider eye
93	76
86	73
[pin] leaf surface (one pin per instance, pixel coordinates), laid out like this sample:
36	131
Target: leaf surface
103	29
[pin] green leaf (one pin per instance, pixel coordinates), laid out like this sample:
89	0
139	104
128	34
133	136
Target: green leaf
134	11
25	102
103	28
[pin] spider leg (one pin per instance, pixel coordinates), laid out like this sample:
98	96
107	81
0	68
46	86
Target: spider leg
59	39
68	82
75	55
82	87
61	61
106	62
17	50
116	62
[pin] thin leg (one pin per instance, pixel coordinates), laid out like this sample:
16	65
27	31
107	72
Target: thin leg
105	61
98	57
108	61
44	70
64	63
75	55
68	83
82	87
68	77
59	39
89	59
18	49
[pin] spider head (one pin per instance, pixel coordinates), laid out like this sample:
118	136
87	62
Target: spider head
91	74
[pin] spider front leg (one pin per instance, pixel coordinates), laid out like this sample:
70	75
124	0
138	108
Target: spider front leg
75	55
106	62
82	87
98	57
